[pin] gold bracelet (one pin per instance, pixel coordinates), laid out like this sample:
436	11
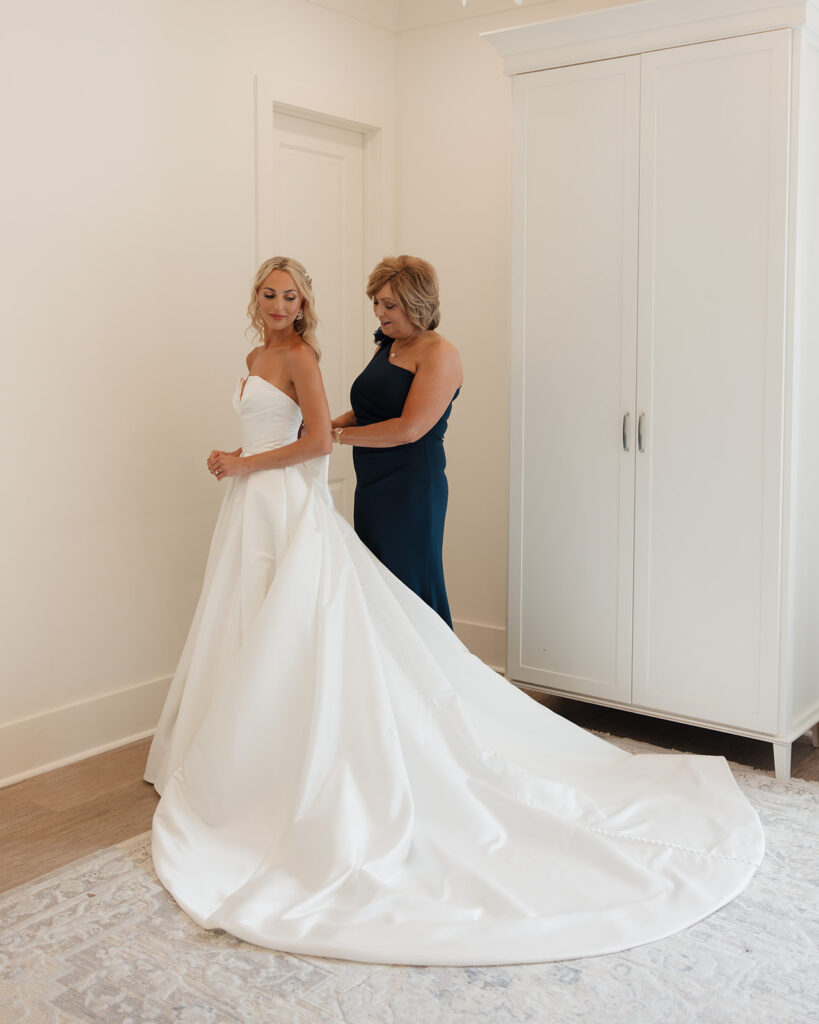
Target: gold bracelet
338	432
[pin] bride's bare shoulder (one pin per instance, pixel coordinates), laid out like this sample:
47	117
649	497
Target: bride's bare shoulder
300	355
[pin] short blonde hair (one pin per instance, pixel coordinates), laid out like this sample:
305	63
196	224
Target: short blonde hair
414	283
306	327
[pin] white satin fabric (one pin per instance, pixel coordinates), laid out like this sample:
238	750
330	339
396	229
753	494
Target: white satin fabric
340	777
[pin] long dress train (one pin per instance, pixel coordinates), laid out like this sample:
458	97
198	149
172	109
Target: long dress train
341	777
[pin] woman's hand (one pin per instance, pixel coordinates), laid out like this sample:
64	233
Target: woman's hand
223	464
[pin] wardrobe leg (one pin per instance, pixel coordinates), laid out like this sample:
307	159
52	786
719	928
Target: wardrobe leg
782	760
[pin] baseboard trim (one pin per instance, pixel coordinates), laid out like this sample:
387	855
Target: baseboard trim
61	736
31	746
486	642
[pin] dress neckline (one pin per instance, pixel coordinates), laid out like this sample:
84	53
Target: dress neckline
396	365
244	380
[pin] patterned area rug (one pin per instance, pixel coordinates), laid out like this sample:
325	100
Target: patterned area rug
101	941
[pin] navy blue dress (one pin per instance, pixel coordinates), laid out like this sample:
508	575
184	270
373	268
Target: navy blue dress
401	492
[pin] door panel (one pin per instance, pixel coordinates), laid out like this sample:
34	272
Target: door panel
573	378
712	292
318	218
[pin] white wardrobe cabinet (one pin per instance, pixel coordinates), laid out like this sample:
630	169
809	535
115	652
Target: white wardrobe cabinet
664	482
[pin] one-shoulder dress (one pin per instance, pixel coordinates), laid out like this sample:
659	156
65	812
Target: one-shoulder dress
341	777
401	493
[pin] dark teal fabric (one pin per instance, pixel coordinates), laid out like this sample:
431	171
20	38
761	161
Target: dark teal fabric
401	493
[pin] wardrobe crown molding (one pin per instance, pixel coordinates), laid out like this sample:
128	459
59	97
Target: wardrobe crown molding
641	26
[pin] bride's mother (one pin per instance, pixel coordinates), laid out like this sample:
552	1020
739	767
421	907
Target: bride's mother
400	407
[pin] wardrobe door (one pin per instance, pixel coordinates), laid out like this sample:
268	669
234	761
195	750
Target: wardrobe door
714	145
573	378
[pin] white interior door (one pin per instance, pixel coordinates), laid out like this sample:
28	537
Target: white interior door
574	315
711	322
317	211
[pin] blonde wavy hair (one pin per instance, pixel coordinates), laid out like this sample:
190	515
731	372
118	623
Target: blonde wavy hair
306	327
414	283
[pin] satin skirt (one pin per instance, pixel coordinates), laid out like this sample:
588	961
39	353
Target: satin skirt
341	777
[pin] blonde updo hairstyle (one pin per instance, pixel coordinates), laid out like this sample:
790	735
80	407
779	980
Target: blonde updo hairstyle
414	284
306	326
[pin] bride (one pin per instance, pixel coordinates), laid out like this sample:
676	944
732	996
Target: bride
341	777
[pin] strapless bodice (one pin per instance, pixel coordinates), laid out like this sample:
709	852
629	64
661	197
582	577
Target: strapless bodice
270	418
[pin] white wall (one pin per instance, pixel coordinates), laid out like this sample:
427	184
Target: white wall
128	230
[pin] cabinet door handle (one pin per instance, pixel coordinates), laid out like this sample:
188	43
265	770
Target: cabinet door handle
640	432
625	431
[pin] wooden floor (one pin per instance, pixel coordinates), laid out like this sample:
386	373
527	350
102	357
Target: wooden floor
52	819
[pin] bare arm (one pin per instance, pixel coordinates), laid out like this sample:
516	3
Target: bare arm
346	419
316	439
437	379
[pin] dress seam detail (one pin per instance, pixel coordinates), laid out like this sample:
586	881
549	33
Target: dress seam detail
670	846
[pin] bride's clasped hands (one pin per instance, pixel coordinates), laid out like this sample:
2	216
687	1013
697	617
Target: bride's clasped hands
222	464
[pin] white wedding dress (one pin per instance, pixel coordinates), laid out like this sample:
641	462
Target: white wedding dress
341	777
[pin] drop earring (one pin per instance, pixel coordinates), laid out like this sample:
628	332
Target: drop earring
299	317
